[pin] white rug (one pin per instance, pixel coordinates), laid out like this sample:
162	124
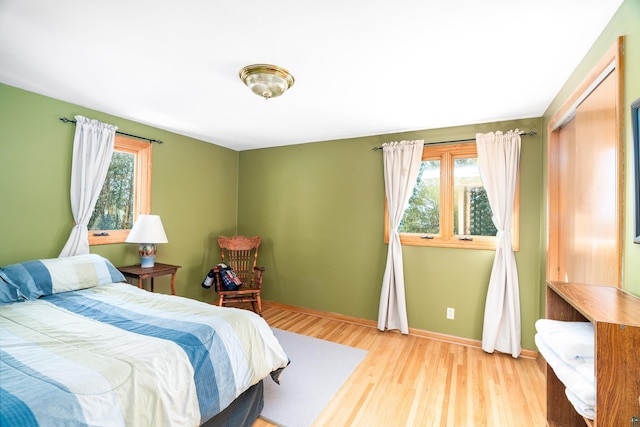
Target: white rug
317	370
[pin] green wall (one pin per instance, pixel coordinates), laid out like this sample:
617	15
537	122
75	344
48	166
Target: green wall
189	178
626	22
319	208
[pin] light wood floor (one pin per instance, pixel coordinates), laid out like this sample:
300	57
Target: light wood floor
416	381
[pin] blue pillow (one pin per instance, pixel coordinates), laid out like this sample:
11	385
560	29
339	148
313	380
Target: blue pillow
41	277
31	277
9	291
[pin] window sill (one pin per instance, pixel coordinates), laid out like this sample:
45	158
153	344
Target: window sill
480	243
111	237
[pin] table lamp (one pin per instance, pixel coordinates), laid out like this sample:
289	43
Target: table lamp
147	231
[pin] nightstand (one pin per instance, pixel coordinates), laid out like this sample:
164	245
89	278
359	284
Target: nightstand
137	272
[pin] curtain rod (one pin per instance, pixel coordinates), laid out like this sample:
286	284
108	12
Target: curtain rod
530	133
65	120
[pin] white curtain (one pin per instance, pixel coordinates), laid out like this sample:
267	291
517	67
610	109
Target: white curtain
499	157
92	150
401	166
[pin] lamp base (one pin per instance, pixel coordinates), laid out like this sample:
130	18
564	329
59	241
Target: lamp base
147	253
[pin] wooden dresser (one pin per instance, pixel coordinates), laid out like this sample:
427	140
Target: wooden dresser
615	315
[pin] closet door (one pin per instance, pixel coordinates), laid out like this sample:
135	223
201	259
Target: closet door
567	187
588	191
585	189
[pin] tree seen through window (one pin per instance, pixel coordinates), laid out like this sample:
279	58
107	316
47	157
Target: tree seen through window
114	208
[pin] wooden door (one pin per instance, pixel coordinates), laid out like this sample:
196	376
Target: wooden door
585	189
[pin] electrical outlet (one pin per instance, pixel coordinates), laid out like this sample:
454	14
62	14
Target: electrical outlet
451	313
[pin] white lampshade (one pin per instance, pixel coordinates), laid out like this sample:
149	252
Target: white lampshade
147	229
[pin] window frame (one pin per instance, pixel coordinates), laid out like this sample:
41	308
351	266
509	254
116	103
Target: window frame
142	198
446	154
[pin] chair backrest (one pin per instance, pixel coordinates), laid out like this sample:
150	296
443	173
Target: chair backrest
241	254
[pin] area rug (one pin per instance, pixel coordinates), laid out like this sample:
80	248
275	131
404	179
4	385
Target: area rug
317	370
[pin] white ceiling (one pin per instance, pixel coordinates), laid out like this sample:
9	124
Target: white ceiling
362	67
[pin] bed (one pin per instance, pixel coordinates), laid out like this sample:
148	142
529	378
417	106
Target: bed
79	347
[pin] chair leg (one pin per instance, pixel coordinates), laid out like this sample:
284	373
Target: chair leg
259	302
220	300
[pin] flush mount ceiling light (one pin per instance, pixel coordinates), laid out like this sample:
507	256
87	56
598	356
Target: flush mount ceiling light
266	80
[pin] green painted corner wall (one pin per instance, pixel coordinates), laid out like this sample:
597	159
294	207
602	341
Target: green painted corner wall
624	23
319	208
189	180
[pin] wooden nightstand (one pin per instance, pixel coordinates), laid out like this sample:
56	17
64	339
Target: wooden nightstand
137	272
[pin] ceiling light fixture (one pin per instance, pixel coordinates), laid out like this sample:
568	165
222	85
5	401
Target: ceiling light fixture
266	80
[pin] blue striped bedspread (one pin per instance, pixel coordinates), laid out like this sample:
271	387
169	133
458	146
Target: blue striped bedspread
116	355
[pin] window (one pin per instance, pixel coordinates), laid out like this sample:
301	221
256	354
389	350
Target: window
449	205
125	194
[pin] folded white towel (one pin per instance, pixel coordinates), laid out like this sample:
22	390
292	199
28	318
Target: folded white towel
586	369
583	388
581	407
550	325
572	341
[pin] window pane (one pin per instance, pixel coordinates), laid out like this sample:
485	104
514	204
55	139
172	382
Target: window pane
471	210
114	208
423	213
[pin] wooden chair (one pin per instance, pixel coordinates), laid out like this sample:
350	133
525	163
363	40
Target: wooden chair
241	254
